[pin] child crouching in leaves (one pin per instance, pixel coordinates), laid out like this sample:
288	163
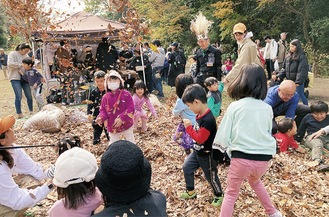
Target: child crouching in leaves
74	177
140	97
285	137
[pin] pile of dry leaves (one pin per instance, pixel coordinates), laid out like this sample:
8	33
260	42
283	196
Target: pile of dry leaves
296	188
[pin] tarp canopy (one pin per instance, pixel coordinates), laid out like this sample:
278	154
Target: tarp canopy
82	26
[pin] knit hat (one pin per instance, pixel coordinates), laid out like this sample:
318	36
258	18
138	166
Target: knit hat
74	166
6	123
239	27
124	174
115	74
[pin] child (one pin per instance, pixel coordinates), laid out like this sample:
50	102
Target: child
310	124
203	133
250	148
35	80
214	95
181	109
95	98
74	177
140	97
66	143
13	199
287	129
117	108
228	65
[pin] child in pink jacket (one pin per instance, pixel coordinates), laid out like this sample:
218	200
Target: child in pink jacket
117	109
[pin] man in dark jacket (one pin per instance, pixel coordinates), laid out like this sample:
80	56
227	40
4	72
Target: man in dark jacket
208	62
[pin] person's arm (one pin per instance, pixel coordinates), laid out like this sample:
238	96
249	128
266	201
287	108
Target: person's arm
178	108
218	61
25	165
220	86
151	107
293	104
128	114
18	198
301	130
224	132
12	61
199	136
323	131
102	116
302	71
243	59
211	105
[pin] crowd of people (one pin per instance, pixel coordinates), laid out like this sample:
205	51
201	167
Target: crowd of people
121	183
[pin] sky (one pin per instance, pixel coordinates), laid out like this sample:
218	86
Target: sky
65	7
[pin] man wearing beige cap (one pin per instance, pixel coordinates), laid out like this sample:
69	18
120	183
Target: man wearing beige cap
247	51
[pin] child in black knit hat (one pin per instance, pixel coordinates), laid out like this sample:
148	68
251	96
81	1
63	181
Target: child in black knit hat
124	178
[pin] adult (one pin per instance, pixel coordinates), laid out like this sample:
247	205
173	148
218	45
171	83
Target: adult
136	64
270	54
124	178
284	101
208	58
247	51
13	199
282	48
157	58
106	55
177	61
15	72
3	62
295	68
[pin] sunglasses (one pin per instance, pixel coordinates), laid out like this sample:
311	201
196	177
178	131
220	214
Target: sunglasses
238	33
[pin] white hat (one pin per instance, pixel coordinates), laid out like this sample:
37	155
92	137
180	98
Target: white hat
115	74
74	166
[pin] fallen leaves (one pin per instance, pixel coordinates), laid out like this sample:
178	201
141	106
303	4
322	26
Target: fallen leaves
295	188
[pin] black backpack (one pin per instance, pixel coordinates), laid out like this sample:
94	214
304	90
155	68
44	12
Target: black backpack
179	60
55	96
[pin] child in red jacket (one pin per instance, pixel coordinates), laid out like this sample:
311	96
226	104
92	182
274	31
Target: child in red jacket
287	129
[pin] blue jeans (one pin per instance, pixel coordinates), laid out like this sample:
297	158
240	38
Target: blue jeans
18	86
209	168
157	81
300	91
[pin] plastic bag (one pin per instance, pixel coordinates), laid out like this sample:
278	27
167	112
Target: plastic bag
50	120
182	138
276	66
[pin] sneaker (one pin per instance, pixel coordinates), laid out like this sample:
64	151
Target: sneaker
217	201
276	214
187	196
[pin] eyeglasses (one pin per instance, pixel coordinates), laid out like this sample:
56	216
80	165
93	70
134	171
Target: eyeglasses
238	33
287	95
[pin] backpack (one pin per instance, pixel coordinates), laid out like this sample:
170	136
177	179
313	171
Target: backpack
55	96
179	60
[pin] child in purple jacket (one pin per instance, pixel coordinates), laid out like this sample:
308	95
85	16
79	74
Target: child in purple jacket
117	109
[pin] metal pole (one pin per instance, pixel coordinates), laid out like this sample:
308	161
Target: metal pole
142	58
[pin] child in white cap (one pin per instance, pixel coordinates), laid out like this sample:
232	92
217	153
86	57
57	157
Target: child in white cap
74	177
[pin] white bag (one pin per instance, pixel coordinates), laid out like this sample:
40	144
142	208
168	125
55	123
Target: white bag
276	66
50	120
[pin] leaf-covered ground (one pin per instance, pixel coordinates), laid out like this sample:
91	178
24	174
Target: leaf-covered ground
296	188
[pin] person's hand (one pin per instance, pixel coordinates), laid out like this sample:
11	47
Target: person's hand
99	121
316	135
187	122
117	122
90	117
43	80
35	86
225	81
